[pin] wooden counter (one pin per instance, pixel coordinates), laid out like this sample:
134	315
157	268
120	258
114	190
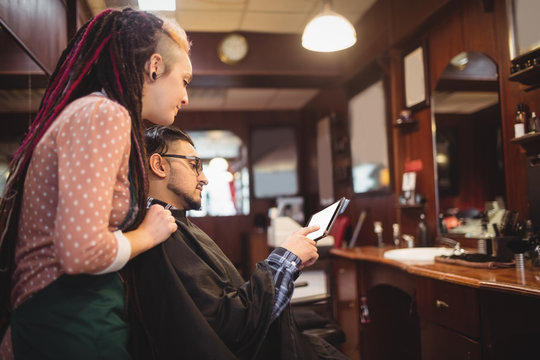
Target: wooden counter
509	279
432	310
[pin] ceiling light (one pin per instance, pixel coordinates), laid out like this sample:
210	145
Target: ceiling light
157	5
328	32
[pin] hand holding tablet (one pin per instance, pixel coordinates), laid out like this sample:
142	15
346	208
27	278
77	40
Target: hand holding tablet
325	218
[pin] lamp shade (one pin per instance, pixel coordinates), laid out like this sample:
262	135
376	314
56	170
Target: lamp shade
328	32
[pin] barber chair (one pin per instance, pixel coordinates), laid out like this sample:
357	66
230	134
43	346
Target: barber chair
311	323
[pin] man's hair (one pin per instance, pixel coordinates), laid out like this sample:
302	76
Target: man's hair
158	138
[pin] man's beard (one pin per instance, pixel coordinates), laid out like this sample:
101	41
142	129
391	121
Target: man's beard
191	202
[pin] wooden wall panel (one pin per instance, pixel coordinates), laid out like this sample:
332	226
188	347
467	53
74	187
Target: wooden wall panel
41	26
408	16
373	34
466	26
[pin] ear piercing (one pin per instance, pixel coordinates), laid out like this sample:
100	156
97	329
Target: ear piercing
154	75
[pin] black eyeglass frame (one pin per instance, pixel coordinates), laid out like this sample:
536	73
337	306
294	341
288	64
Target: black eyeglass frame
198	162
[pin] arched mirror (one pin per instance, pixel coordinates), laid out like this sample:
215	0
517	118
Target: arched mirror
467	139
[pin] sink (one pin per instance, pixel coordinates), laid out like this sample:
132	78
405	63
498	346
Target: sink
419	254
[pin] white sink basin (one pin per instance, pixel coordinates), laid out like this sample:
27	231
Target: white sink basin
419	254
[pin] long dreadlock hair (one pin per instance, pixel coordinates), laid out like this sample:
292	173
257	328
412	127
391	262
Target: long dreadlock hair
108	54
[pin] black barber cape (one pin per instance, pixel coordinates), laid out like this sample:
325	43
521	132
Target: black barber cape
195	305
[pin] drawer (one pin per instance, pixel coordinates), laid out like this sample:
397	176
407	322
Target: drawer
450	305
443	344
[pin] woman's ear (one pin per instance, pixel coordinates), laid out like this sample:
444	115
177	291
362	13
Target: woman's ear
154	67
157	166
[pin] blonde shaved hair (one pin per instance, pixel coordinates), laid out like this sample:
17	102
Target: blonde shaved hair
171	42
177	33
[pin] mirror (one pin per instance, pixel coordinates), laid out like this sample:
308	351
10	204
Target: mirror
369	149
275	162
467	139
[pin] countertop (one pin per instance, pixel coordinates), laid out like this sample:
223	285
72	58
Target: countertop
525	282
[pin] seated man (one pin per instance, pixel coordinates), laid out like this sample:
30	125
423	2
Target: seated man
190	301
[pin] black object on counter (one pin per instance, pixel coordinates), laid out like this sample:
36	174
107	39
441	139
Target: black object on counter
422	231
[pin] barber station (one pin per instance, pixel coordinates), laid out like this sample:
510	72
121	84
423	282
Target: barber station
255	179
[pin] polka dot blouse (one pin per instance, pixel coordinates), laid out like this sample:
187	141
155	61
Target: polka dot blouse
76	194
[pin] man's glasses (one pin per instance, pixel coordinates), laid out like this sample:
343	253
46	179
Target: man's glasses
198	163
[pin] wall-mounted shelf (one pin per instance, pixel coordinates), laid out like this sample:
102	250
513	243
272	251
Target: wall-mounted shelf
405	124
529	142
526	69
529	76
412	206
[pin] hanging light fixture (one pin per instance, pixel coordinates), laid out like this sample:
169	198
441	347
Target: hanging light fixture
328	32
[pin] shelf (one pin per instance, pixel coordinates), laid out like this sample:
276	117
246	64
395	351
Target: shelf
529	142
528	76
405	124
411	206
529	73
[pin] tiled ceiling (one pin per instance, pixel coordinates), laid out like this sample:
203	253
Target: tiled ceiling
267	16
264	16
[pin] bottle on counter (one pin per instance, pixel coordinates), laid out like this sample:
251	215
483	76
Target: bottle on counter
422	231
483	240
377	228
396	235
442	225
534	123
519	125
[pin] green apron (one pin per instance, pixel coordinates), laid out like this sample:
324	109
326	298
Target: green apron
75	317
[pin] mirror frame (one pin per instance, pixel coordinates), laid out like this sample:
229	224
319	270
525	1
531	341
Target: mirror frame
460	237
415	76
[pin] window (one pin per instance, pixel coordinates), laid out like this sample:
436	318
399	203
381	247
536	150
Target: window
224	160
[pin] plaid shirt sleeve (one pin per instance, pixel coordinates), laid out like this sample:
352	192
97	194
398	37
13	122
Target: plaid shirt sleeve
284	266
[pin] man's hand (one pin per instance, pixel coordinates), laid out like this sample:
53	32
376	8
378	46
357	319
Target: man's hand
303	247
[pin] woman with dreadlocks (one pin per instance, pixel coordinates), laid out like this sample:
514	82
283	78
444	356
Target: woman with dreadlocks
74	207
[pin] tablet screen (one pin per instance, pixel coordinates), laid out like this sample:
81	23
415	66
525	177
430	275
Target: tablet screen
324	219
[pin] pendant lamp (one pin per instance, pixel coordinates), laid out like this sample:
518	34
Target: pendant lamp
328	31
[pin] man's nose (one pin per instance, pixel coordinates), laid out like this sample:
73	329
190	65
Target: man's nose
203	179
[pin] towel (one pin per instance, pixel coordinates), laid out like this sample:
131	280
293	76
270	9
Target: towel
474	260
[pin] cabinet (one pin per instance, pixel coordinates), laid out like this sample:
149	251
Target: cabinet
347	305
392	315
434	311
450	321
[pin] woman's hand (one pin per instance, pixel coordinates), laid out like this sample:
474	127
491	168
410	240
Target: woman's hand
157	226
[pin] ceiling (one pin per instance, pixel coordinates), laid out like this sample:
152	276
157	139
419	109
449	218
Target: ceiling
266	16
260	16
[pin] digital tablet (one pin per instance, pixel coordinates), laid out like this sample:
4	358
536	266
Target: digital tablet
325	218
